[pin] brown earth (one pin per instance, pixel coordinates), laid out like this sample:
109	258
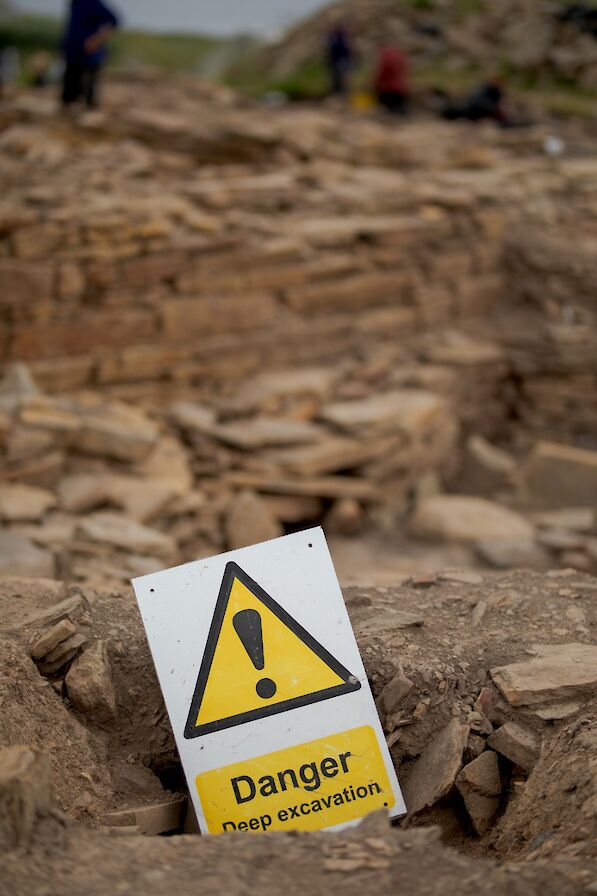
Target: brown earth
447	636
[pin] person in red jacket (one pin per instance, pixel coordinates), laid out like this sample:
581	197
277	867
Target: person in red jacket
391	79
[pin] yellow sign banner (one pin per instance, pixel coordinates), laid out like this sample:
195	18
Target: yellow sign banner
307	787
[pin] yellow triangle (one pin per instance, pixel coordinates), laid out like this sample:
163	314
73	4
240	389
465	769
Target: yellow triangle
295	669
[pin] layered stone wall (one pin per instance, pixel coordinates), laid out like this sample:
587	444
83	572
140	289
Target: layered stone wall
105	295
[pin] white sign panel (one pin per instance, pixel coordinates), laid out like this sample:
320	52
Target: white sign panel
269	701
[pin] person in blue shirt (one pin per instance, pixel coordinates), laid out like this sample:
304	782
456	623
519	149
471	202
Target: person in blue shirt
90	24
339	56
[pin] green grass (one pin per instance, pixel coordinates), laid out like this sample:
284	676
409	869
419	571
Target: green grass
128	49
307	82
459	9
169	52
29	33
452	80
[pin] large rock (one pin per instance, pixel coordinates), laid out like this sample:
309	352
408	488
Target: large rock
83	492
196	418
267	387
16	385
121	532
330	455
24	503
513	553
468	519
168	463
19	557
151	820
486	468
24	793
518	744
560	475
394	692
115	430
49	641
264	432
556	672
574	519
480	786
89	685
249	520
138	498
433	775
406	410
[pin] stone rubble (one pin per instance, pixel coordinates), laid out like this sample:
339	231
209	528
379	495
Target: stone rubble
205	309
520	745
469	519
554	674
435	771
480	786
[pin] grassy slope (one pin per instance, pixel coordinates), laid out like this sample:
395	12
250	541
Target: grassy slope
170	52
309	79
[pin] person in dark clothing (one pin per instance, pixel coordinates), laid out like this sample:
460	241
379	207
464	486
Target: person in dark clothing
484	104
339	60
391	80
89	26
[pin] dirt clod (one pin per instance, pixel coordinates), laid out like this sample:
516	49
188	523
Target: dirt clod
89	684
24	793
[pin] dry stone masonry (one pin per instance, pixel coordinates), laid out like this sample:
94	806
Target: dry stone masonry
290	316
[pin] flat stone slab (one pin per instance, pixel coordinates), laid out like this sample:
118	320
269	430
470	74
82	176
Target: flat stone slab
518	744
556	671
434	773
24	503
404	410
264	432
121	532
469	519
557	475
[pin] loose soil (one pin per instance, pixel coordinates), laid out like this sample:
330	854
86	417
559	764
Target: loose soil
444	632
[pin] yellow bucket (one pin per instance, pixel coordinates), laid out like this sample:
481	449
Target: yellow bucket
362	101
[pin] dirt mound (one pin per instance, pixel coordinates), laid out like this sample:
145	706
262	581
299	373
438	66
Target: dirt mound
371	859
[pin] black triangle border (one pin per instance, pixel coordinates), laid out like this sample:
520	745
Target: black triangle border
233	571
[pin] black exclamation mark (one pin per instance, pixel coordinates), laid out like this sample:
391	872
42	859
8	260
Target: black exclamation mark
247	625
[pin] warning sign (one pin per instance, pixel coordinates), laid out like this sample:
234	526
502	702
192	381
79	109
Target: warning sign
316	785
259	661
266	691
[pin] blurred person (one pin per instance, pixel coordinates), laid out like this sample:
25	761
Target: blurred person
486	103
89	26
391	80
340	58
